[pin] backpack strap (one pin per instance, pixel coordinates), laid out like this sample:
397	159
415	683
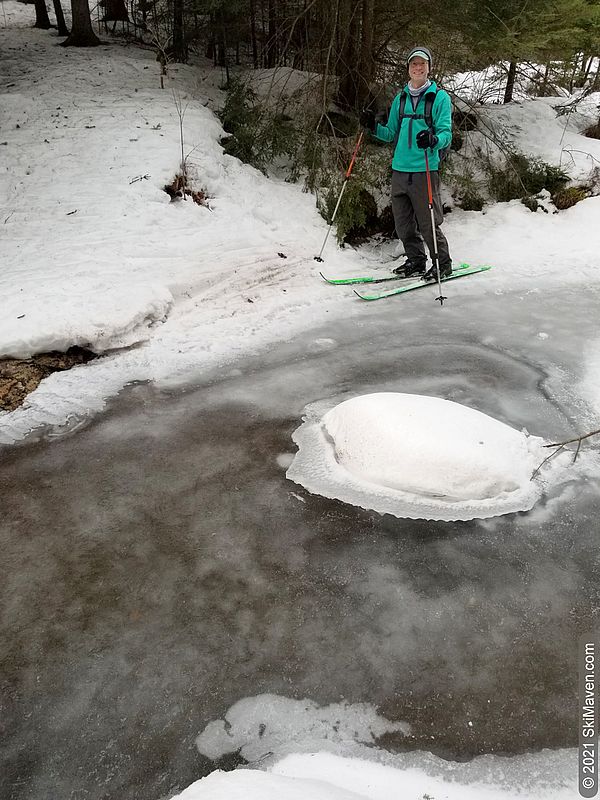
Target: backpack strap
427	116
401	116
429	101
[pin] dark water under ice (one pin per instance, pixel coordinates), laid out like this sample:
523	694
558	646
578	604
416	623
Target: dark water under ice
158	566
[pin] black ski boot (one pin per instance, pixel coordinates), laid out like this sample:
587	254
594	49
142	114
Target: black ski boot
445	272
410	268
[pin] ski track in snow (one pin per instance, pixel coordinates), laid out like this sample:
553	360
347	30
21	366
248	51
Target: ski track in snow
95	254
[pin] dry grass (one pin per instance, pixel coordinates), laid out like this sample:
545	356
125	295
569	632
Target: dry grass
19	377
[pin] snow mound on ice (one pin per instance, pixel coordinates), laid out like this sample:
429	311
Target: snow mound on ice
430	446
416	456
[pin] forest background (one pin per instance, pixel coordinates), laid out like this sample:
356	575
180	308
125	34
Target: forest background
343	56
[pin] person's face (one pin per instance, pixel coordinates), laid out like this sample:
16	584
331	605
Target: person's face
418	70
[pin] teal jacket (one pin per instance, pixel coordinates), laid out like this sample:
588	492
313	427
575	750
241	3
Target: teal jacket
407	156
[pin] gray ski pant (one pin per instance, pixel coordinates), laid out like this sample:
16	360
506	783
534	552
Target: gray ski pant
410	206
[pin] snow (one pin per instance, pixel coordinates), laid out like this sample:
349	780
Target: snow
380	782
94	253
248	785
419	457
300	750
268	722
539	128
322	776
285	84
488	85
427	445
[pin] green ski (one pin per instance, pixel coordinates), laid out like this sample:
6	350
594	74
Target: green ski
459	272
374	278
361	279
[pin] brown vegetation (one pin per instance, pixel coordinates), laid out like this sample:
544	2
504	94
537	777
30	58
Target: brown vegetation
570	196
593	132
179	188
20	376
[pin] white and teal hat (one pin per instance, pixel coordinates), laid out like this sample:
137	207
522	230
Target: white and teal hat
423	52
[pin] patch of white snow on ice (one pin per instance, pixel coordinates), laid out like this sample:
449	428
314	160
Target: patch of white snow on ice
299	750
590	385
418	457
268	722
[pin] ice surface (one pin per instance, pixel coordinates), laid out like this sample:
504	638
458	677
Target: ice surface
590	385
417	456
319	751
160	566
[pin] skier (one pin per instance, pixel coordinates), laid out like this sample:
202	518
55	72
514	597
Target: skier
420	119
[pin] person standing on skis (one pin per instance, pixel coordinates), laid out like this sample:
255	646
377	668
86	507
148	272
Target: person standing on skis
420	119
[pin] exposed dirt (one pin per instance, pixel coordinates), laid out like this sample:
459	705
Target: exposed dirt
19	377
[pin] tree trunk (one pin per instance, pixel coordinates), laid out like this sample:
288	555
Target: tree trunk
211	46
222	57
262	58
114	11
587	65
272	36
573	73
180	51
544	83
82	34
366	65
211	51
60	19
253	34
42	19
510	82
348	55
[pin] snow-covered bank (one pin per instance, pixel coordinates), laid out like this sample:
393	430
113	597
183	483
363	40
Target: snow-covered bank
323	776
95	254
305	751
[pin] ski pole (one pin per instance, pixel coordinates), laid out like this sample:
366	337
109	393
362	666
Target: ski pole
339	200
436	257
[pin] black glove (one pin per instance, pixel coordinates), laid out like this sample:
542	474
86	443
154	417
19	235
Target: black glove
426	139
367	119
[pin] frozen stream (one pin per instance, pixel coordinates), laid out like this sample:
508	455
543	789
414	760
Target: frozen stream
158	566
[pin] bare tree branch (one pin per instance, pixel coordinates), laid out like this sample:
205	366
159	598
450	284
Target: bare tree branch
560	446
